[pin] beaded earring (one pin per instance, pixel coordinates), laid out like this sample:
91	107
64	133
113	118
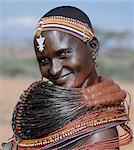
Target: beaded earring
95	57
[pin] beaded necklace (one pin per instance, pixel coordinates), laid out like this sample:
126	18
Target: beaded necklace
94	120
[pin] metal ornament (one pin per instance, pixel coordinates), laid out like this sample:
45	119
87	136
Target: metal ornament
40	42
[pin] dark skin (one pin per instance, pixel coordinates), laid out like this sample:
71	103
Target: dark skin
67	61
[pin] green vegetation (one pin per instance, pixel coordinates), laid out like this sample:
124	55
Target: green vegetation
118	65
16	67
117	71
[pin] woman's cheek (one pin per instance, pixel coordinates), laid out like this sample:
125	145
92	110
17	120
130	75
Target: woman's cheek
74	64
44	71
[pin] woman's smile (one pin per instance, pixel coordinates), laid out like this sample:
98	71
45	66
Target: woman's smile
62	79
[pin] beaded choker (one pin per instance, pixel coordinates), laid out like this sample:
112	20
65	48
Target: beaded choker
68	25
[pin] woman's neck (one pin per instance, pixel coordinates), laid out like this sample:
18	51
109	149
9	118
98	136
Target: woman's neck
92	79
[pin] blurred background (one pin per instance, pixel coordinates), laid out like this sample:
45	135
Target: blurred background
113	22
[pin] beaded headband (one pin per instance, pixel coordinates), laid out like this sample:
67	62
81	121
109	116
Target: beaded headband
68	25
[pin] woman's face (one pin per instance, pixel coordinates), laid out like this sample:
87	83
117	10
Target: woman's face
66	60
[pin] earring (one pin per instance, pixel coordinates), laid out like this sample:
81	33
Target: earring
95	57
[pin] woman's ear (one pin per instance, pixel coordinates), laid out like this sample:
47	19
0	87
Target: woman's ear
93	44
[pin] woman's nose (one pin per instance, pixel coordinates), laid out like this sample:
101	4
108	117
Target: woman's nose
55	68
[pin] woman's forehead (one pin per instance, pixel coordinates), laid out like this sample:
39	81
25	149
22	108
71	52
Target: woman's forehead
58	39
56	35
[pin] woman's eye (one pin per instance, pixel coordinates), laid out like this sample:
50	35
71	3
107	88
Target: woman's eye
44	61
63	55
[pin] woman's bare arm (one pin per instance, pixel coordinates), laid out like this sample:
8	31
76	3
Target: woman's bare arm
103	135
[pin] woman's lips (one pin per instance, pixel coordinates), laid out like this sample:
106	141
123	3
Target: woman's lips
61	79
65	75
